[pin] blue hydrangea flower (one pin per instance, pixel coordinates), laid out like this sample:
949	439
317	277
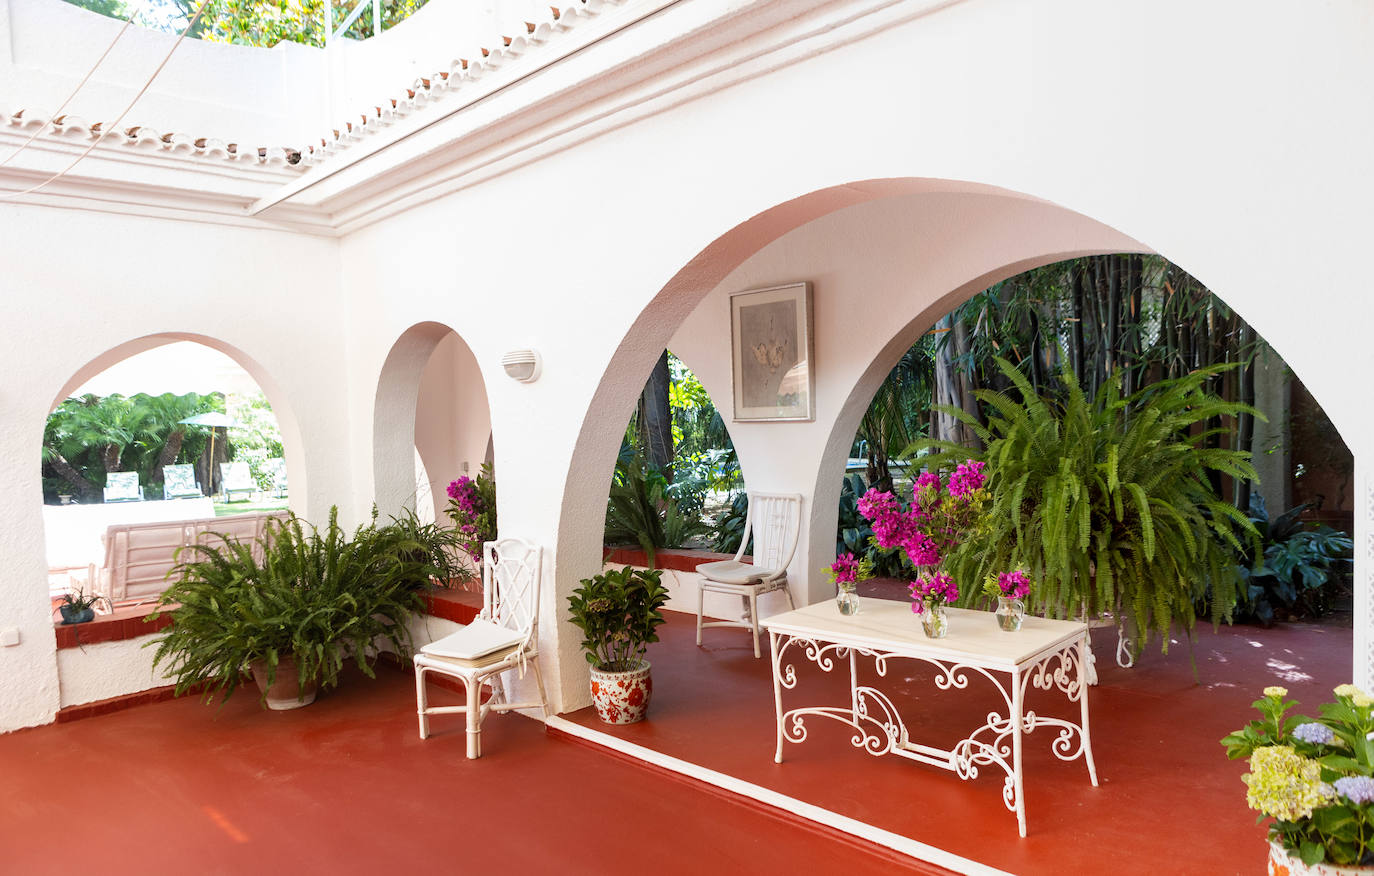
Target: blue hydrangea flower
1356	789
1316	734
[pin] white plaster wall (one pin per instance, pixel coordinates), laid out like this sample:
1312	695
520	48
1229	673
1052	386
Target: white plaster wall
109	669
77	284
263	97
596	255
634	227
452	420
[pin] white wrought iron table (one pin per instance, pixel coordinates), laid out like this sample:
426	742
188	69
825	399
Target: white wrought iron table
1044	654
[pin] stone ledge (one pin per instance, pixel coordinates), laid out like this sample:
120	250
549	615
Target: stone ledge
676	559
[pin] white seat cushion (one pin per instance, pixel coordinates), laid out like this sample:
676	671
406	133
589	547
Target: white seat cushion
473	641
731	572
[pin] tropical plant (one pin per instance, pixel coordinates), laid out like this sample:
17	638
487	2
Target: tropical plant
1107	503
618	613
1312	776
1298	564
729	524
640	511
315	597
472	507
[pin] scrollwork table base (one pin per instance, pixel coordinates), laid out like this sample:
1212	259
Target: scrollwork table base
1044	655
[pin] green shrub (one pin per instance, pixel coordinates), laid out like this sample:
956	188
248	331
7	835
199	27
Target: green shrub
618	613
1298	563
316	596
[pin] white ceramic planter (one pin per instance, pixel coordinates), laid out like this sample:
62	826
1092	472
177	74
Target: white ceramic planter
1280	864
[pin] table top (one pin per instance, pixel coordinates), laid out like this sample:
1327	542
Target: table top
888	625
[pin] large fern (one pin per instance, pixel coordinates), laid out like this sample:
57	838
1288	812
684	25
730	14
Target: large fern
1107	502
316	596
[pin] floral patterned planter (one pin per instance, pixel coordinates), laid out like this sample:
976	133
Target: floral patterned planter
1280	864
622	697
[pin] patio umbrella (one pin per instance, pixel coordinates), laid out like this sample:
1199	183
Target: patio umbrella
213	419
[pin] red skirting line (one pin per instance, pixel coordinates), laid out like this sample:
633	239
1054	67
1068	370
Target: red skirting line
122	702
900	850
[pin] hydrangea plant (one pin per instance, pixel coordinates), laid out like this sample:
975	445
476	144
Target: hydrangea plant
1313	777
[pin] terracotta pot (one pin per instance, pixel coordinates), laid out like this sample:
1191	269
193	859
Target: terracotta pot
1280	864
622	697
285	692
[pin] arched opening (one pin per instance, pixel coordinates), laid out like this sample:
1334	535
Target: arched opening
884	270
154	438
432	423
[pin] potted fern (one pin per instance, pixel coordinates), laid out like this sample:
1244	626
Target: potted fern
291	608
1106	503
618	613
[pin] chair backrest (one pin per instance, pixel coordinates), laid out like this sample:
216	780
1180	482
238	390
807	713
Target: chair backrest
236	476
774	521
122	486
511	570
277	467
179	481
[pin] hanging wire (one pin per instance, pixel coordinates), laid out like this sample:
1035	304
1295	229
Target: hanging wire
114	126
87	78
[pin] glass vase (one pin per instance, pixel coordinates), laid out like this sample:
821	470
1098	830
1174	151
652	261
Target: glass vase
934	620
1010	611
846	599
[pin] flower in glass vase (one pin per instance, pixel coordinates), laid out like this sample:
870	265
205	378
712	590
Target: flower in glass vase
931	590
940	515
1010	589
1312	777
846	573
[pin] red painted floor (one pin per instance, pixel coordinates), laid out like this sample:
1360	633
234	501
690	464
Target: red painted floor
346	786
1169	801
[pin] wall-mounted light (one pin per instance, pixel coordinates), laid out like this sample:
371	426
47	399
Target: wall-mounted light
523	365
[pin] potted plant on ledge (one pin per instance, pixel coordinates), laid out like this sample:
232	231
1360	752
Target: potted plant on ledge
618	613
78	608
292	617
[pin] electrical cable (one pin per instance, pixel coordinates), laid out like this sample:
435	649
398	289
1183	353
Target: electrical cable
114	126
79	86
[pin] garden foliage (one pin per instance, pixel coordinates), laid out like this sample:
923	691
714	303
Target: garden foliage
640	510
1106	503
1297	565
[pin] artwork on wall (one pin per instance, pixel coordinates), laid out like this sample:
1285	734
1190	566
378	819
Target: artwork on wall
770	333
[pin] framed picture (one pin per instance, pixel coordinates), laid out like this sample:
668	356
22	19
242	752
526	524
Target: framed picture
770	339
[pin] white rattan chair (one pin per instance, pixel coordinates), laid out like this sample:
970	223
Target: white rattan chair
503	637
774	522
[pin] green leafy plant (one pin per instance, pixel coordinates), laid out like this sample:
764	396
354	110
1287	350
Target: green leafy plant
618	613
1298	564
315	596
80	601
640	511
1312	776
729	524
1106	503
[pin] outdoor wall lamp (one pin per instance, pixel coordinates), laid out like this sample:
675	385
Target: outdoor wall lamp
523	365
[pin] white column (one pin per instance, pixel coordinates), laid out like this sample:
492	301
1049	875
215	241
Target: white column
1363	657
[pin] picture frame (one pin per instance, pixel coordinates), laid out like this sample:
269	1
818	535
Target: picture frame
773	354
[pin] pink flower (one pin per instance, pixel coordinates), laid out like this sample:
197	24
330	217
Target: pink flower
1014	584
968	476
936	587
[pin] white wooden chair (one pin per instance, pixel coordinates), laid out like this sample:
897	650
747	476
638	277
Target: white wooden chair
236	477
504	636
123	486
179	482
774	522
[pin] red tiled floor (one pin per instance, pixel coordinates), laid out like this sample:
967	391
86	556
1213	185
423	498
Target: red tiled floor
1169	801
346	786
